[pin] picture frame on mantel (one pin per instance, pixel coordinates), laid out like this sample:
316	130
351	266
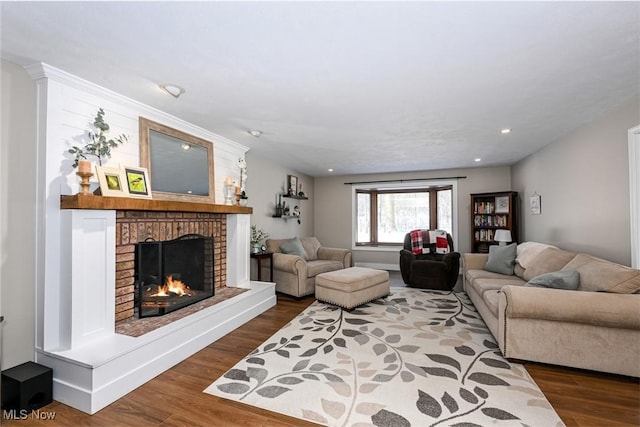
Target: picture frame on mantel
112	181
292	185
137	180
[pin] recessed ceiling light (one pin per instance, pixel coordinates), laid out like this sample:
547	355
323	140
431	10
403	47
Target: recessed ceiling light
173	90
255	132
505	131
477	159
330	170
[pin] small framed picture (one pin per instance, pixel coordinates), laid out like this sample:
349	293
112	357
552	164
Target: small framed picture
292	185
137	180
502	204
112	182
534	204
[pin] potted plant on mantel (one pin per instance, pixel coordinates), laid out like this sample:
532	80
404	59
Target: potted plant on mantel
99	146
244	199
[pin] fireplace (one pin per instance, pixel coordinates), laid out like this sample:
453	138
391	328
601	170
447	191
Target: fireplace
173	274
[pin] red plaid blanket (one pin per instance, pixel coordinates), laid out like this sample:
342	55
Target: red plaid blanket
421	240
417	239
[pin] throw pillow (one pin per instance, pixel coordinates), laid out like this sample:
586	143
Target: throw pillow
565	279
501	259
293	247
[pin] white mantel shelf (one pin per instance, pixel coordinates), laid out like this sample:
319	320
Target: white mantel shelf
90	201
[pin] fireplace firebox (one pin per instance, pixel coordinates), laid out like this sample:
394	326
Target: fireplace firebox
173	274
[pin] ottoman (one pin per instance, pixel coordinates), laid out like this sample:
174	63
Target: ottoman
352	287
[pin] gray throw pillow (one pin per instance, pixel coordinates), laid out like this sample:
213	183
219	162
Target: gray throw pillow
565	279
294	247
502	259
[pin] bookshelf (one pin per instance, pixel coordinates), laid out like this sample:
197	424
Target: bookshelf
491	212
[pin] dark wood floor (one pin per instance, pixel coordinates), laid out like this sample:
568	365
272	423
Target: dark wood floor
175	398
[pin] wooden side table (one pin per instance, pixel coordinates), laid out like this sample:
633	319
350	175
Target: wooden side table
261	256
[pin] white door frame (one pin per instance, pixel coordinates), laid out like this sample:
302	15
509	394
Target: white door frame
634	194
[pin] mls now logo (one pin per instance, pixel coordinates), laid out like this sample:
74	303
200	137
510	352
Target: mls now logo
23	414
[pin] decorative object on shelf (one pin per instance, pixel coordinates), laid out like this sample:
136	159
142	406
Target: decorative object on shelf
279	206
242	164
534	204
292	185
257	236
99	147
112	181
84	172
229	191
300	192
502	237
137	180
296	213
244	199
502	204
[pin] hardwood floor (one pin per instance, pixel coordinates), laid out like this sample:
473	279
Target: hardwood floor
175	398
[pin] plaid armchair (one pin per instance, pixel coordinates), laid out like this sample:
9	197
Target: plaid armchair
429	270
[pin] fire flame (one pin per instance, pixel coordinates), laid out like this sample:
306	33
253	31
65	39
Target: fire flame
172	286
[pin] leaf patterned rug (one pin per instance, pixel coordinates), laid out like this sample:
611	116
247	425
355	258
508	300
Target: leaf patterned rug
415	358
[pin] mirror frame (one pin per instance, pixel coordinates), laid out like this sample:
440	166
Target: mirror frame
147	125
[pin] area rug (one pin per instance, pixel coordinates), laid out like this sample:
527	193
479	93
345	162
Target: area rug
416	358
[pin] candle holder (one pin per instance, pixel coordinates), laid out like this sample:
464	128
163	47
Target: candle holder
84	183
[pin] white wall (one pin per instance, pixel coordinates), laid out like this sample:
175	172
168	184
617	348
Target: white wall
333	214
583	180
266	179
17	214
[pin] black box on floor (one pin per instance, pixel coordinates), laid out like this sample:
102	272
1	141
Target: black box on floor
27	387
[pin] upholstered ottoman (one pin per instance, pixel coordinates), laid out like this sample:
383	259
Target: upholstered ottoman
352	287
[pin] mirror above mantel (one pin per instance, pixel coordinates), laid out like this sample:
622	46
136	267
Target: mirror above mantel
180	165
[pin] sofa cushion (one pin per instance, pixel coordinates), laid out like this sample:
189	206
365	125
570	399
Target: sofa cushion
501	259
484	274
600	275
322	266
294	247
311	246
483	285
547	261
527	251
564	279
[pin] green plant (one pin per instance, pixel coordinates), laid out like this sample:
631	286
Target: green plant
257	235
99	146
243	195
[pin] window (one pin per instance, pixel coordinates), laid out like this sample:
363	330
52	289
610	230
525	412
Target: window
384	216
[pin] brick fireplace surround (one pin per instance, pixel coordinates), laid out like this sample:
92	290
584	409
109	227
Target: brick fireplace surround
137	226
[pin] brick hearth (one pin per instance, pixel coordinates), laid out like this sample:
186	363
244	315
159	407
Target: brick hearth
133	226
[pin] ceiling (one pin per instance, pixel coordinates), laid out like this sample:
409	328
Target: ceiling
359	87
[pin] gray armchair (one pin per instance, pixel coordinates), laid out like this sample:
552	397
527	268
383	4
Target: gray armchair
295	272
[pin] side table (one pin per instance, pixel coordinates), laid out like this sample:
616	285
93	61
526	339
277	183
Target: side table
261	256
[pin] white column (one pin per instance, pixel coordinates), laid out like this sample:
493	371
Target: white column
88	288
238	247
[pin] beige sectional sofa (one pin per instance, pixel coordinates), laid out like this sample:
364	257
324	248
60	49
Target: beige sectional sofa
295	273
595	327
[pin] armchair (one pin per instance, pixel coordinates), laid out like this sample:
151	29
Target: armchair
297	262
429	270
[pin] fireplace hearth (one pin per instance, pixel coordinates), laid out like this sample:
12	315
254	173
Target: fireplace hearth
173	274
